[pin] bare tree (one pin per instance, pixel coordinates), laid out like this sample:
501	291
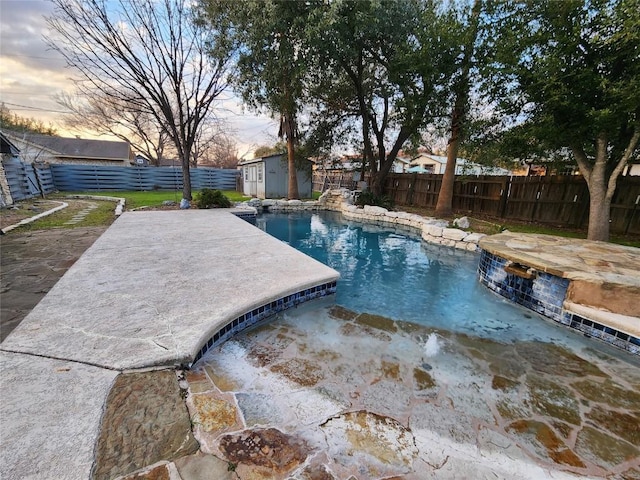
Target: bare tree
221	153
110	116
149	57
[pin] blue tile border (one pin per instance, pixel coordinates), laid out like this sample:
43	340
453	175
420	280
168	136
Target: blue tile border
545	294
597	330
263	312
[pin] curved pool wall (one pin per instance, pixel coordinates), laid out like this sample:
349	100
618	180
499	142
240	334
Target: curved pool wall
392	273
591	287
548	293
545	294
264	312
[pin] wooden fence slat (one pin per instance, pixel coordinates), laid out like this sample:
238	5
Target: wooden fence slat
554	200
100	177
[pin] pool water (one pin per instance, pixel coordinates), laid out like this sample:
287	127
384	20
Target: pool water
394	274
418	372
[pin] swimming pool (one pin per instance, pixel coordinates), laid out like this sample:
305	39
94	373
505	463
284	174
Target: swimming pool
392	273
418	370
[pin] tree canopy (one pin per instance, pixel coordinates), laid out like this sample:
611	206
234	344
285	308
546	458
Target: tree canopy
149	58
511	80
384	65
267	40
17	123
567	77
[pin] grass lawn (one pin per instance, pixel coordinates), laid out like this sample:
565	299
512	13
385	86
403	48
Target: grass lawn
100	216
103	215
154	198
491	227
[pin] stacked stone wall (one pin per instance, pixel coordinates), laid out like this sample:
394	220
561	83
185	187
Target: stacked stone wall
432	230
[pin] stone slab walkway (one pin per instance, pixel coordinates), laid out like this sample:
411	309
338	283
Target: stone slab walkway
145	295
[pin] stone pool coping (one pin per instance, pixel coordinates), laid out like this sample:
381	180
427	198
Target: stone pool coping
432	230
150	293
604	278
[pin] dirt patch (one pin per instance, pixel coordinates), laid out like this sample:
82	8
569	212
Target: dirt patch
31	264
25	209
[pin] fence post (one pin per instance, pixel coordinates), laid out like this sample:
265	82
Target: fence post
36	171
538	194
411	189
633	212
504	196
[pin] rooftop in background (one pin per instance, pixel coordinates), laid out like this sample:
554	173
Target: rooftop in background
34	147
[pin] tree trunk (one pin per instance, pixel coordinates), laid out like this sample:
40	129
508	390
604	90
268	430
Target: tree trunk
186	180
386	161
444	206
599	211
596	177
292	190
377	183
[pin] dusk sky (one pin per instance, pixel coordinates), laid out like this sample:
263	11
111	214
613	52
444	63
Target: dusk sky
31	75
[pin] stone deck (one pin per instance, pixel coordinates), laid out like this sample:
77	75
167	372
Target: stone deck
603	278
152	292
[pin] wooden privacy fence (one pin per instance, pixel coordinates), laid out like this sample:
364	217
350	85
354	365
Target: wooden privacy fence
328	179
27	180
554	200
99	177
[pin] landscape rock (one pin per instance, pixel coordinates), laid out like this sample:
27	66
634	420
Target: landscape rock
454	234
462	222
145	421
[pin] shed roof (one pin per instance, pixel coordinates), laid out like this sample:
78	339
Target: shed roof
259	159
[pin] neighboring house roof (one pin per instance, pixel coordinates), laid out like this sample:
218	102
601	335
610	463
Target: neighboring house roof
6	147
463	166
435	158
78	147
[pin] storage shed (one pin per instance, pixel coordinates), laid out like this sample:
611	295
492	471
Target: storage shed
267	177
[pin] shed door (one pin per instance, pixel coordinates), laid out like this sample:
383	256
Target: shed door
253	181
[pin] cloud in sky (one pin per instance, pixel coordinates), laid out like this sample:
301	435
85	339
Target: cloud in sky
32	75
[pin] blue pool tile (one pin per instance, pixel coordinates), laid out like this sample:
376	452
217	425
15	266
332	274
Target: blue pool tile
545	294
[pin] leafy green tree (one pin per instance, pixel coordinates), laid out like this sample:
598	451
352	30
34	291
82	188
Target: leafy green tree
266	150
268	41
567	75
382	65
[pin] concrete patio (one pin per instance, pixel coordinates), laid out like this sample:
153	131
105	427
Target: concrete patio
148	294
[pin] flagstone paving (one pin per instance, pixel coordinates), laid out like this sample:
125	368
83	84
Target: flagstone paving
334	394
31	264
327	393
